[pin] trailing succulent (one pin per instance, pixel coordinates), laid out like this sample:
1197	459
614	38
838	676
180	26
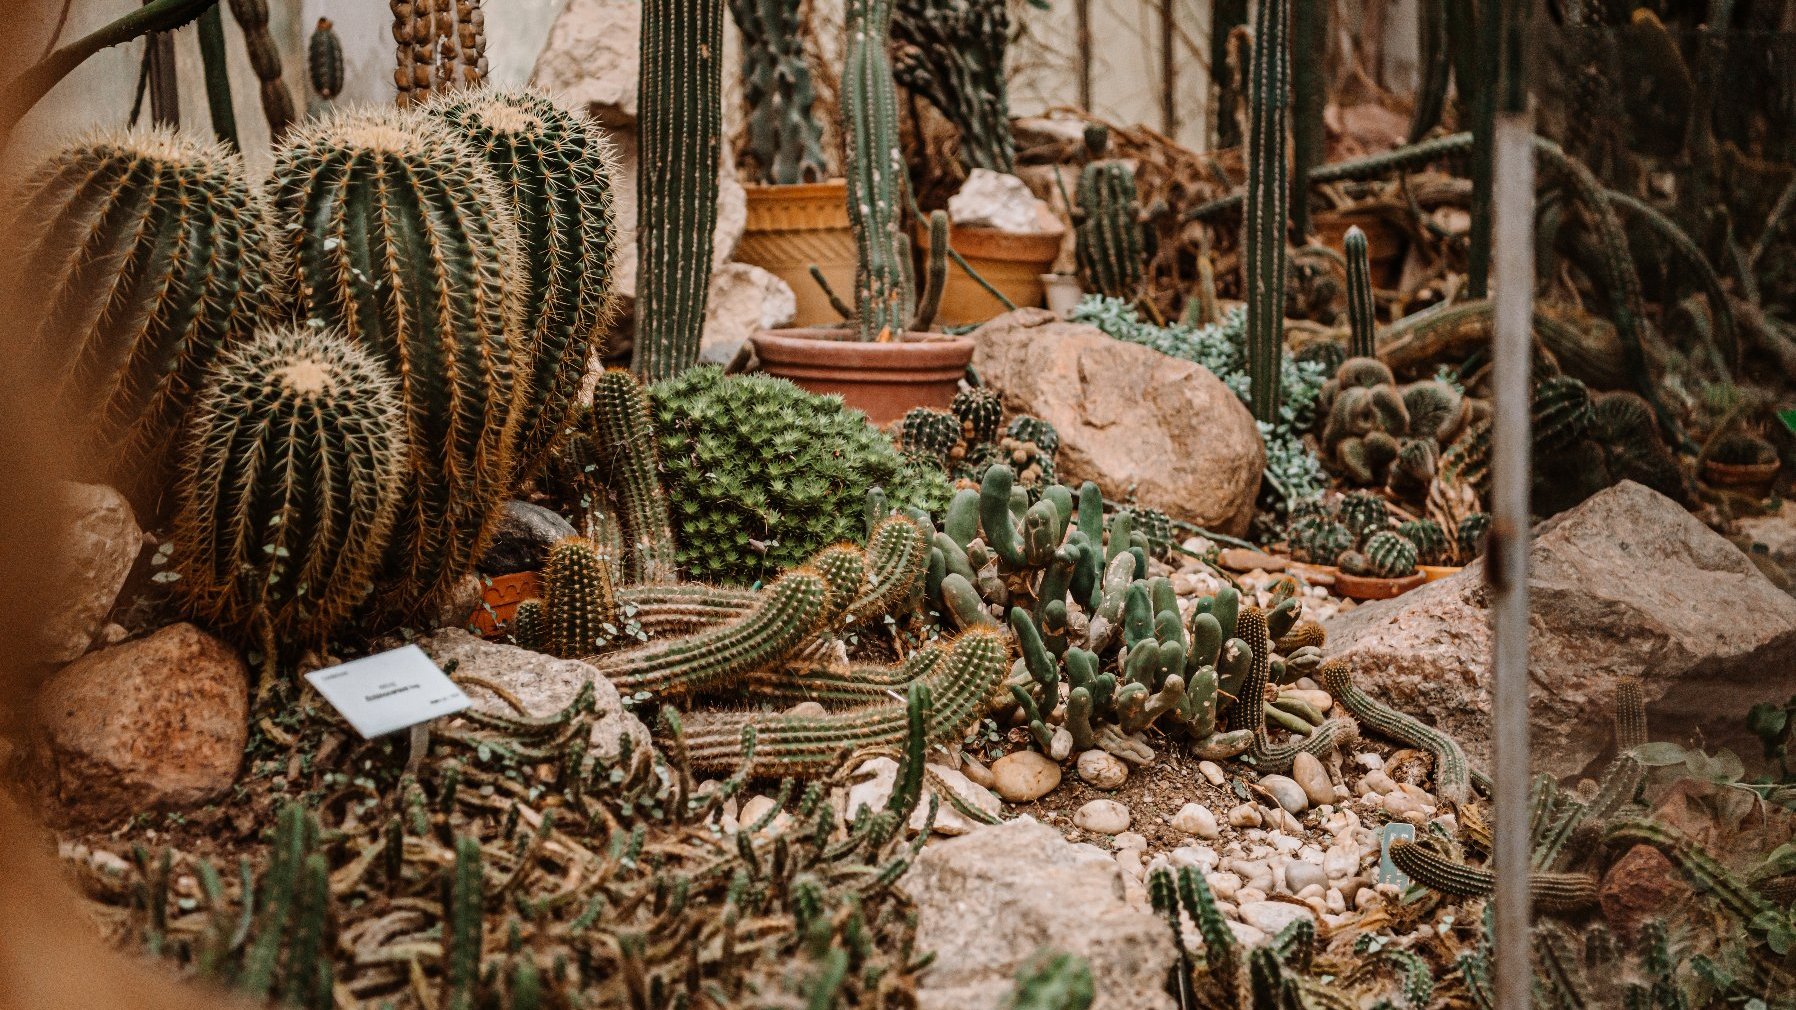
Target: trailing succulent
760	474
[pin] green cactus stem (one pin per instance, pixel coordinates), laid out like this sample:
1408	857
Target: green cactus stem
951	52
463	941
1108	230
1309	94
785	140
292	470
1362	311
557	170
581	610
1250	708
218	77
681	109
623	434
897	555
1630	714
358	197
324	60
862	684
530	626
1552	892
1389	555
143	255
884	297
1452	775
1057	982
1695	863
808	746
1268	195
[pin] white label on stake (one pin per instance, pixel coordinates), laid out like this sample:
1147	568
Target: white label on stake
1387	870
389	691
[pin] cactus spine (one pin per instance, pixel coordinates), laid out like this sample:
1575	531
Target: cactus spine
1108	231
883	297
1268	194
147	252
291	474
324	60
785	140
1362	311
676	190
624	436
398	233
556	167
265	58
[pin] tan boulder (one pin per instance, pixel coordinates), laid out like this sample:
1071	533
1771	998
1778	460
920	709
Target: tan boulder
99	542
1135	421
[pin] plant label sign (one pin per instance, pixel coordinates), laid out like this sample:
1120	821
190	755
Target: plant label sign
1387	870
389	691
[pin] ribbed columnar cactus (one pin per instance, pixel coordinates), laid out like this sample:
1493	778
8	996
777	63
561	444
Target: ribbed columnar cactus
1109	230
884	298
1362	313
1551	892
142	256
623	435
784	138
396	231
580	609
324	60
1452	775
681	117
265	58
1268	195
557	168
292	467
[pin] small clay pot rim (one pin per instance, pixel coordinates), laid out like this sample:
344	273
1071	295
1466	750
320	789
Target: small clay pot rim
795	191
1742	471
1435	573
1364	587
824	342
993	244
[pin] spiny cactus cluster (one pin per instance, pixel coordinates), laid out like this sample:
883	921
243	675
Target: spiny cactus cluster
760	474
1586	443
1358	533
951	52
1109	230
970	438
1381	435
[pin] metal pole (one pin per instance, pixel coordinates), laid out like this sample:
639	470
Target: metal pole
1507	557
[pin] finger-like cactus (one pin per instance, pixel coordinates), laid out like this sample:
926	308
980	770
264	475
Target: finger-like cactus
1268	196
1551	892
265	58
291	472
324	60
397	232
1452	775
580	607
811	745
897	555
557	169
144	255
1109	230
784	137
1362	312
884	295
623	437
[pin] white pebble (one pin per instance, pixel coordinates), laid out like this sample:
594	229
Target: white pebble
1129	840
1287	792
1225	885
1102	817
1060	745
1196	819
1246	816
1211	771
1102	770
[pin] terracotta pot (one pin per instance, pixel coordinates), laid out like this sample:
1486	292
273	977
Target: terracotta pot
1385	242
1752	478
791	227
1011	262
883	380
1435	573
1361	587
499	599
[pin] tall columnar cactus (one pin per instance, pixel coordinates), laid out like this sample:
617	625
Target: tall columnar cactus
324	60
557	168
580	608
883	296
1362	312
1309	94
1268	195
145	254
952	53
784	137
681	110
396	231
624	439
1109	230
265	58
291	472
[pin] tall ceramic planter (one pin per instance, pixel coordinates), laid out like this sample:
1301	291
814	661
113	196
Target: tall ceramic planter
883	380
1011	262
791	227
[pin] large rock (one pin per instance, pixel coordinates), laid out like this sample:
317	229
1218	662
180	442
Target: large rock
157	723
1627	584
522	541
98	544
743	300
1132	419
543	684
990	900
593	59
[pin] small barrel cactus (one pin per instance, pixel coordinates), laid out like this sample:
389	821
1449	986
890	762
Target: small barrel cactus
1364	513
1429	538
1389	555
1469	537
1562	412
1043	435
1109	230
1320	540
1742	449
980	412
928	432
291	472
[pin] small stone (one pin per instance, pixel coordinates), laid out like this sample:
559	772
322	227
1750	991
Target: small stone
1313	779
1340	861
1285	843
1288	793
1336	902
1254	891
1129	840
1247	935
1024	776
1370	762
1102	817
1300	875
1240	559
522	540
1196	819
1224	885
1102	770
1246	816
1130	862
1380	783
1271	916
1212	772
807	709
977	772
758	807
1351	887
97	541
1640	885
1060	745
1202	857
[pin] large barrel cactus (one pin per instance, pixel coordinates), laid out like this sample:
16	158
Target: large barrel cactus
557	168
396	231
291	471
146	255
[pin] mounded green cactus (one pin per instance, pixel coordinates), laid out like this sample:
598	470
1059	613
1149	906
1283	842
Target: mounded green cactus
623	440
1268	196
784	138
1108	231
1562	413
530	626
931	432
1365	513
1436	410
1429	539
292	468
1362	312
324	60
580	608
681	128
980	412
1034	430
761	474
1389	555
144	255
363	202
1320	540
557	169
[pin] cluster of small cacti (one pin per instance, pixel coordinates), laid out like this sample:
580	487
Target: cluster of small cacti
1584	443
1741	448
951	52
970	438
1357	533
1377	434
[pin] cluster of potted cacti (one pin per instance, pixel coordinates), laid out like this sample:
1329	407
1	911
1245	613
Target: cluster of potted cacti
1375	555
971	437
